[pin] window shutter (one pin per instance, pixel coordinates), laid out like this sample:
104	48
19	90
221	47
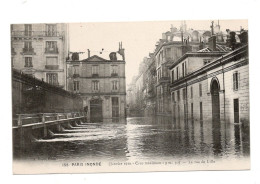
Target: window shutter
70	72
233	81
70	85
238	81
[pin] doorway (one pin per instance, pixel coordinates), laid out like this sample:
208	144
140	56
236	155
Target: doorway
236	110
115	107
215	101
216	127
96	110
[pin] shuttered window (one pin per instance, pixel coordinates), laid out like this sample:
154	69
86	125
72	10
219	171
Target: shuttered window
191	92
200	89
235	81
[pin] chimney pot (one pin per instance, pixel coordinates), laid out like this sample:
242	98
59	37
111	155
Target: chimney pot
212	43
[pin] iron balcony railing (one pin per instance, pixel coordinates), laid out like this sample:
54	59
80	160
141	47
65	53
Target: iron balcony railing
51	50
52	67
36	33
29	50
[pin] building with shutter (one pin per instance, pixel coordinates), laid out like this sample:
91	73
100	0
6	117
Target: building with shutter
173	45
40	50
101	85
213	83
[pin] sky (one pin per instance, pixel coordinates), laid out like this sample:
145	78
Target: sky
138	38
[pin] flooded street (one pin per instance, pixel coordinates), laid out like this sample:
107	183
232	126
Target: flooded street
140	139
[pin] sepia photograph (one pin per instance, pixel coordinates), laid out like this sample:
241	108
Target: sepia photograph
130	96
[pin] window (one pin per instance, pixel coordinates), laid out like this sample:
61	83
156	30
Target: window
183	69
76	85
206	61
95	85
95	70
178	95
173	97
201	111
114	70
28	62
27	46
235	81
191	109
51	30
168	53
76	70
28	30
184	93
51	46
177	73
51	60
52	78
172	75
200	89
191	92
114	85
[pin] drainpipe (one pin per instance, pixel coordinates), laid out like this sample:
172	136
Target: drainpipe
187	109
224	90
223	77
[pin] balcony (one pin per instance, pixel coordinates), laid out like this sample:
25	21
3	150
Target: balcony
114	75
51	50
164	79
28	51
75	75
95	75
52	67
35	34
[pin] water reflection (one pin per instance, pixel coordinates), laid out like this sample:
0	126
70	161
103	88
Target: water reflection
140	138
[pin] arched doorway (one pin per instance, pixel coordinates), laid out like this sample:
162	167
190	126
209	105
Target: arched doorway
96	110
215	100
216	129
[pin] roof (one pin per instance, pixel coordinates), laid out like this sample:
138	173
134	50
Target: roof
96	58
219	48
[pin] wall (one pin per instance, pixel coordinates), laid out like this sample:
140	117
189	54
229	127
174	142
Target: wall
226	94
30	95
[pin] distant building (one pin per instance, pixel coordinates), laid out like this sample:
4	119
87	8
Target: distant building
173	45
40	50
101	84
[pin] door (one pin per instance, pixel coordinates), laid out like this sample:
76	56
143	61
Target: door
216	126
236	111
115	107
96	110
215	101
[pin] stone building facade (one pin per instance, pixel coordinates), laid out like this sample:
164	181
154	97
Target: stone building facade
101	85
214	85
40	50
173	45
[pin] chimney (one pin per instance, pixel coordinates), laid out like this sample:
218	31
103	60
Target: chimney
163	36
201	46
212	43
231	40
88	53
243	37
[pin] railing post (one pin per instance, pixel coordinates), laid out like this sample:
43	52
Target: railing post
58	125
45	130
19	122
21	131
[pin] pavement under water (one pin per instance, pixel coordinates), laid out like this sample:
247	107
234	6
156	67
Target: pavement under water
140	138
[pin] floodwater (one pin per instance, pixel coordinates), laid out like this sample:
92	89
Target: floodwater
140	138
